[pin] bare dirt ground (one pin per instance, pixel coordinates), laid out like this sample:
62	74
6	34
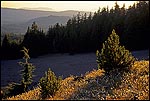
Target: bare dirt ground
61	64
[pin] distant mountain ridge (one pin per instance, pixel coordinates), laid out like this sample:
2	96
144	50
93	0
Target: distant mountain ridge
37	8
17	20
43	22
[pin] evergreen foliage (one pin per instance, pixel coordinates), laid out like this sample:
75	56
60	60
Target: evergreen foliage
14	88
87	33
35	40
114	56
10	48
5	47
6	42
27	72
49	84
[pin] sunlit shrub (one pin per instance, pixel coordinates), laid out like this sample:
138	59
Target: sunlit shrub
49	84
113	56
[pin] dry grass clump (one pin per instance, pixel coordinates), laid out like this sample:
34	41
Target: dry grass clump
70	87
135	84
30	95
97	85
94	73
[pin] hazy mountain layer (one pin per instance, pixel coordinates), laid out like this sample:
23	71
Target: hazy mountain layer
17	20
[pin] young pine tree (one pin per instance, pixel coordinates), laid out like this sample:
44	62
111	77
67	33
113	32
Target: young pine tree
113	56
5	47
27	71
49	84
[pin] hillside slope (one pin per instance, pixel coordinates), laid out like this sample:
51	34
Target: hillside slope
96	85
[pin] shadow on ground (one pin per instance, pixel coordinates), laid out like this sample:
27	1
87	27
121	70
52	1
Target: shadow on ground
98	88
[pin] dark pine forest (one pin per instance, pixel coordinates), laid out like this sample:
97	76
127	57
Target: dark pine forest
85	33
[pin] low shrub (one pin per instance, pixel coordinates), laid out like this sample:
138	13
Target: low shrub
114	56
49	84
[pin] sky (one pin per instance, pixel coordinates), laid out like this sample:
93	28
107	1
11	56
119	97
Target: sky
91	6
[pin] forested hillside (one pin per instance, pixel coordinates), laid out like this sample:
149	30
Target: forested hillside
86	33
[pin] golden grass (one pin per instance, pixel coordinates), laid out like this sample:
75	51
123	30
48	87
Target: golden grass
30	95
135	85
70	87
98	86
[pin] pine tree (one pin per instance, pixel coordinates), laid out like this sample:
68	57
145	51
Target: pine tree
6	42
5	48
49	84
35	40
113	56
27	71
34	26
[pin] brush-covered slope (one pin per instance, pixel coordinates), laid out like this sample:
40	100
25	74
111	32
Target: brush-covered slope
97	85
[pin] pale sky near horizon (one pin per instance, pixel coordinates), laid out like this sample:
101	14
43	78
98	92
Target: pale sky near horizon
91	6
